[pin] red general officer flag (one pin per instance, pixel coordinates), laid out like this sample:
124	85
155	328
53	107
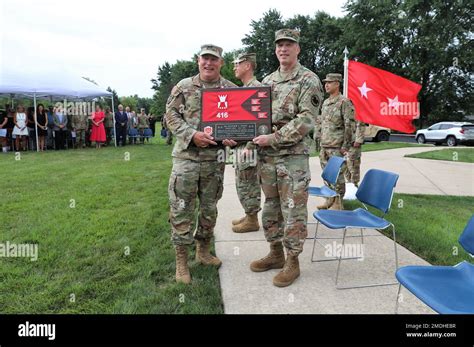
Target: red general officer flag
383	98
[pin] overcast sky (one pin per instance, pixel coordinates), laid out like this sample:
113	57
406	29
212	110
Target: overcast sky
122	43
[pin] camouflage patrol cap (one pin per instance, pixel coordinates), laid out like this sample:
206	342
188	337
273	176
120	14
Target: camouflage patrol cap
333	77
212	50
287	34
251	57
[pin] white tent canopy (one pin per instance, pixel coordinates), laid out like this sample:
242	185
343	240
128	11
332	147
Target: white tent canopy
55	84
52	83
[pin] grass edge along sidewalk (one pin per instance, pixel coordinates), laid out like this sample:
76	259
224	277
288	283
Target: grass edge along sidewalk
461	155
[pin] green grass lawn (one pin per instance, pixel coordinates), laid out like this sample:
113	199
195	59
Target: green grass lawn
120	205
378	146
429	225
465	155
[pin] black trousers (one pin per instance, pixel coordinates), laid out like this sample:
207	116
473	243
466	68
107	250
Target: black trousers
121	133
60	138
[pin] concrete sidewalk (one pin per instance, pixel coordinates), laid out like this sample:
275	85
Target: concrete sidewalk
244	291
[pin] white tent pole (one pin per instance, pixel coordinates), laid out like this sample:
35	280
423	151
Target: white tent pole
113	114
36	123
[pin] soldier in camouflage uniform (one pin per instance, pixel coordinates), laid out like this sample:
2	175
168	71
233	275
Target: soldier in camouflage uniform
142	124
246	176
196	171
334	133
354	154
284	158
80	125
109	125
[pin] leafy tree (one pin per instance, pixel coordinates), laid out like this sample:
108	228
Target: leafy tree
261	41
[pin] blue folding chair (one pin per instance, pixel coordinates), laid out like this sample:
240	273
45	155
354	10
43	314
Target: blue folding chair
133	134
147	133
376	190
446	289
330	174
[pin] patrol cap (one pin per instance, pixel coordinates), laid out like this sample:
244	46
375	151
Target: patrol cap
212	50
333	77
251	57
287	34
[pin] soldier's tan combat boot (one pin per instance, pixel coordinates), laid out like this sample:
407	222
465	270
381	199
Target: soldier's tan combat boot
250	223
273	260
238	221
182	270
328	203
338	206
290	272
203	253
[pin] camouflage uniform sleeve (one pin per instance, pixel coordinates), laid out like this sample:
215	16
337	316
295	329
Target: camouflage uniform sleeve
359	133
174	117
348	113
309	104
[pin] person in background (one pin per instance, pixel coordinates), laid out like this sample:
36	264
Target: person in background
152	121
133	125
109	125
30	113
121	121
50	138
98	130
60	129
20	130
10	125
129	117
3	130
42	126
142	124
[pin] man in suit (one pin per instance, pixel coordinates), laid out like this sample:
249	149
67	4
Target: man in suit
121	121
60	129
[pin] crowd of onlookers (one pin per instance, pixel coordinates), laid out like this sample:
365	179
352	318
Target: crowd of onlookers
57	130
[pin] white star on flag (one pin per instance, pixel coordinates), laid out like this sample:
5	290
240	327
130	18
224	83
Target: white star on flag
394	102
364	90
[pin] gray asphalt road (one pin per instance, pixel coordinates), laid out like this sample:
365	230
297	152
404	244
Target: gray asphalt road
402	138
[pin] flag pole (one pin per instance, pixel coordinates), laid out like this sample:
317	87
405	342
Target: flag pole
346	71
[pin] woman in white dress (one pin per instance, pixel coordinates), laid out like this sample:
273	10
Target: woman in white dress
20	129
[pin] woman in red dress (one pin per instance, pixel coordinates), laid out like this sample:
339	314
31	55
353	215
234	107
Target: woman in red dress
98	130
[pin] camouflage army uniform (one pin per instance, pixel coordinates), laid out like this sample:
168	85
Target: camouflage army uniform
246	174
109	126
352	174
196	171
284	165
79	122
142	125
334	131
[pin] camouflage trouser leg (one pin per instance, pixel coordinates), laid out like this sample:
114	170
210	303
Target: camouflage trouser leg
324	156
247	183
81	136
189	181
352	173
285	182
169	137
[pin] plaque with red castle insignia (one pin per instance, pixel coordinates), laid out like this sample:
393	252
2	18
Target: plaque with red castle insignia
236	113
